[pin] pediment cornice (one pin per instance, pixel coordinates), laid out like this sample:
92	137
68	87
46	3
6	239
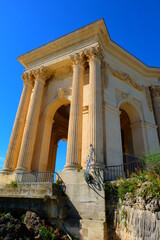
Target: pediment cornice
61	48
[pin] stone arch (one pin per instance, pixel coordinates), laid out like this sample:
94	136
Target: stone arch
59	132
136	125
54	105
132	110
47	122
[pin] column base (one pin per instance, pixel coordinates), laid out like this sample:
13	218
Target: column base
21	170
72	167
6	170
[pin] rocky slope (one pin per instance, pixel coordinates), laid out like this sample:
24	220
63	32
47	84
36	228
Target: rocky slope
29	226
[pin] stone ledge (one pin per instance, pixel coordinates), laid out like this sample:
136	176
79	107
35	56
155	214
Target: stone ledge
30	191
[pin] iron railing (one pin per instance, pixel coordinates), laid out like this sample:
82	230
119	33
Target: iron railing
39	177
89	163
132	164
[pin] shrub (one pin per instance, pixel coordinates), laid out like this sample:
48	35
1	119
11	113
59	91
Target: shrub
46	198
8	215
111	189
14	184
152	161
127	186
146	181
47	233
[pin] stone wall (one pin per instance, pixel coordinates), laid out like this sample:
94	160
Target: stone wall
135	224
86	216
133	216
45	199
132	219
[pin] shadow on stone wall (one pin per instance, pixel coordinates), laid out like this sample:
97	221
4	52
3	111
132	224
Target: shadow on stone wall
59	211
111	209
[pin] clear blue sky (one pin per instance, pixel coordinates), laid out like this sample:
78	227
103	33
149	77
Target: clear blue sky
25	25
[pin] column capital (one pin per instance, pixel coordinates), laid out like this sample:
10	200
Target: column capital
155	91
77	59
28	78
94	53
41	74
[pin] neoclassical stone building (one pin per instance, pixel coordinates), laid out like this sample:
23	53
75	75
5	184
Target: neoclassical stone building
86	89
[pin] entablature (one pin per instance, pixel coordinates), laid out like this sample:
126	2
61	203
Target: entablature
58	51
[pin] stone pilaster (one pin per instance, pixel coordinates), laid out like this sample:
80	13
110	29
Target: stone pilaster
30	130
18	128
52	165
140	144
95	103
155	93
44	151
75	122
52	152
113	136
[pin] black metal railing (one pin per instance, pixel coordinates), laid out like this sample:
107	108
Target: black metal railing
132	164
39	177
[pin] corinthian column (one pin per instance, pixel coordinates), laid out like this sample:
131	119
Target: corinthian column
75	121
155	93
30	130
18	128
95	103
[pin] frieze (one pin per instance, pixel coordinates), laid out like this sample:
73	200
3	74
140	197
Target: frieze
62	73
63	93
125	78
104	74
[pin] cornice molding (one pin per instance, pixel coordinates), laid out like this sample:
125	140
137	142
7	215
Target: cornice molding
80	38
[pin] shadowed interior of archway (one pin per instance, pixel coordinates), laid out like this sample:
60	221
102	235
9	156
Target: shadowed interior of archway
59	132
127	141
132	129
126	134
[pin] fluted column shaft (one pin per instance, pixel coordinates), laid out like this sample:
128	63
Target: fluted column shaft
155	93
29	135
95	104
74	145
18	128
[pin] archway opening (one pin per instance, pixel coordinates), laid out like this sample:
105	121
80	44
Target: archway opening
132	136
126	136
61	155
58	142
